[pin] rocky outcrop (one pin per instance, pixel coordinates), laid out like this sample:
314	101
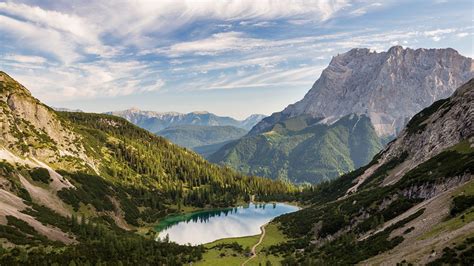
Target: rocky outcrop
427	191
444	124
436	128
389	87
31	128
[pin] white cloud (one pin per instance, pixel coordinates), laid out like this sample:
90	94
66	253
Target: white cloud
139	22
363	10
230	41
89	80
438	34
74	25
46	40
24	59
303	76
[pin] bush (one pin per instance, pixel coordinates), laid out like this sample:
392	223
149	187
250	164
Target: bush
461	203
41	175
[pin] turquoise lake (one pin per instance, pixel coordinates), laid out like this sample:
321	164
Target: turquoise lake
207	226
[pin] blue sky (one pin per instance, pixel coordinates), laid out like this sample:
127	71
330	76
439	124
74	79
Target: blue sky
228	57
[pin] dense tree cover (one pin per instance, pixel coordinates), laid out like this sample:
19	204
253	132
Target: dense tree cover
301	149
461	203
137	159
100	243
191	136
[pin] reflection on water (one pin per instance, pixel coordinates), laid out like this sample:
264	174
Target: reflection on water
205	227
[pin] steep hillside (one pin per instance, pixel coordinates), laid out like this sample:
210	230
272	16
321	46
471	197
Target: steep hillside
414	203
29	127
155	121
302	149
386	88
191	136
75	186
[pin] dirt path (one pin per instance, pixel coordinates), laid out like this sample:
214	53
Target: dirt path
254	252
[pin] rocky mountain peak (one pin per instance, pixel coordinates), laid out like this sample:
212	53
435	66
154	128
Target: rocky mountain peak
389	87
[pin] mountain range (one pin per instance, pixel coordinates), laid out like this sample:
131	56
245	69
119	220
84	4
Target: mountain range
156	121
203	132
360	102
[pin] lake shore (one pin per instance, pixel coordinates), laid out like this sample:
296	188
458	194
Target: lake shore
204	227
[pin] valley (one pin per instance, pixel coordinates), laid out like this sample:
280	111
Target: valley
327	139
132	188
123	181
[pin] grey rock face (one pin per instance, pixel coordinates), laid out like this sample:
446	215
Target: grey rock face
451	123
442	125
389	87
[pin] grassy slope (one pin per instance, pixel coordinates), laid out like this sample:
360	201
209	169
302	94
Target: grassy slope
273	236
458	221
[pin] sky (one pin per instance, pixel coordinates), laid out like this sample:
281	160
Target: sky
232	58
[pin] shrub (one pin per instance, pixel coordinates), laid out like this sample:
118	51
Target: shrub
40	174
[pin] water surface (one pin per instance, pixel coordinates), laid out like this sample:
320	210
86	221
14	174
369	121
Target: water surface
207	226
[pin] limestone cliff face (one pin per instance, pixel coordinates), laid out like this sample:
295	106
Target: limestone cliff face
30	128
389	87
444	124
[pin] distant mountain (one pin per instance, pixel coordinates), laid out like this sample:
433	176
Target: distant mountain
413	204
249	122
301	149
63	109
194	136
156	121
207	150
383	90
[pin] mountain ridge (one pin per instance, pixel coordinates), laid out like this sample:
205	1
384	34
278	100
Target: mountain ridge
194	136
301	149
156	121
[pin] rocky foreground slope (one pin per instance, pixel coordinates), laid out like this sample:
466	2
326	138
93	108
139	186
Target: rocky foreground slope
413	203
